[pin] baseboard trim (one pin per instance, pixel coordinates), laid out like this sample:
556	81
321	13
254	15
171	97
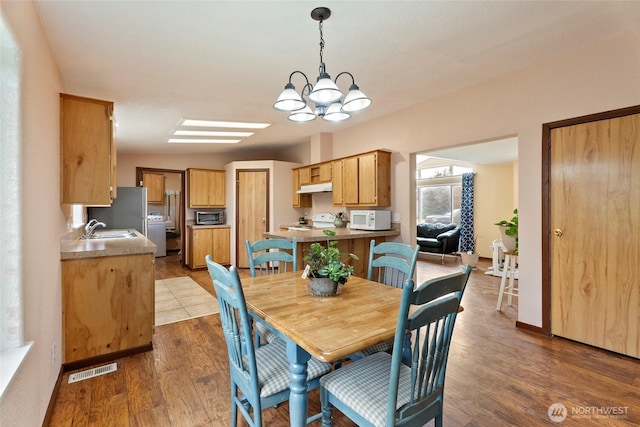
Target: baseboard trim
84	363
53	398
531	328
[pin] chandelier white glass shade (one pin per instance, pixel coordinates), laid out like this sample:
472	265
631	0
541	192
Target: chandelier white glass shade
325	95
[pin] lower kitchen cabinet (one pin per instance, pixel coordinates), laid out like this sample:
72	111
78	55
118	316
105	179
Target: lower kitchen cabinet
107	307
208	241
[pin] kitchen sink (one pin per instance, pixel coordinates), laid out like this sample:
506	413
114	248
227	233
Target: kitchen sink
112	234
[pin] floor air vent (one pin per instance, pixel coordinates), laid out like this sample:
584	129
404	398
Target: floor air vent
90	373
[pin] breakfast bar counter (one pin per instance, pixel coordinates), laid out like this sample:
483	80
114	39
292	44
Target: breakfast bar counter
349	241
317	234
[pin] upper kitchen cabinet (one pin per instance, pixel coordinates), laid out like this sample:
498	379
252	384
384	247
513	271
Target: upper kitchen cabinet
304	175
315	174
87	151
363	180
154	182
299	200
206	188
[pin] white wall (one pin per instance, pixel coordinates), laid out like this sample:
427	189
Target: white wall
26	399
600	77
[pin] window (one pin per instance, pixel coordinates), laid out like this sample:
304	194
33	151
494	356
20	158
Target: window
12	348
438	191
439	203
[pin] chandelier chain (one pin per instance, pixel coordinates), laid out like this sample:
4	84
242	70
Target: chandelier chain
321	43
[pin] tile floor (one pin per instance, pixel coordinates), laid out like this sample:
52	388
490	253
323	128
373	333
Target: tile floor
182	298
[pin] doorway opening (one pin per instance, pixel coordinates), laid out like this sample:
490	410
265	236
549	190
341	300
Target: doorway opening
495	165
171	206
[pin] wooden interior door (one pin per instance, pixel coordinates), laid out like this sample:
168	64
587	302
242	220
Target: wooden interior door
252	219
595	230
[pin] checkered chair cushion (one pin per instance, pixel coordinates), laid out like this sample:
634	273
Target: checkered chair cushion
383	346
265	333
273	368
364	386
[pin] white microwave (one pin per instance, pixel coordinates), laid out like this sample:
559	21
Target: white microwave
370	220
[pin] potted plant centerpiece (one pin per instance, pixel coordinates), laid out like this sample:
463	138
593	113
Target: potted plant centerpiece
325	268
509	230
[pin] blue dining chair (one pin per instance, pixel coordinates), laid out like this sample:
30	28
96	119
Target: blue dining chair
269	257
261	375
391	264
380	390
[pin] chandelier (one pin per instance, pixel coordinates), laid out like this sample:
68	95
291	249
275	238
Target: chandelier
325	95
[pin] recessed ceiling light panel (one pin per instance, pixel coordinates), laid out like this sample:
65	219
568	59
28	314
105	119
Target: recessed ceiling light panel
202	141
220	124
203	136
210	133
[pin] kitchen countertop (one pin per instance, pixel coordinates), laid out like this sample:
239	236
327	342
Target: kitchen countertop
208	226
72	247
316	234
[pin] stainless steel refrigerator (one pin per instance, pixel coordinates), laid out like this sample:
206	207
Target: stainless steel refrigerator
128	210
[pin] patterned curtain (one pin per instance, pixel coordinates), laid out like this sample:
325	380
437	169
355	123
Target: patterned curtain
467	240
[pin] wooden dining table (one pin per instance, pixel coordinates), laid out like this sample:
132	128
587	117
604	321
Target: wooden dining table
364	313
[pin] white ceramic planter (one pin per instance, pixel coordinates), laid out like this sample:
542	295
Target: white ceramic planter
509	242
469	259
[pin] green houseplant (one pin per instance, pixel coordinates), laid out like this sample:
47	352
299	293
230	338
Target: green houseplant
509	230
325	267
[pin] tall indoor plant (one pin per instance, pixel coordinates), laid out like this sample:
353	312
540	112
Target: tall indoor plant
509	230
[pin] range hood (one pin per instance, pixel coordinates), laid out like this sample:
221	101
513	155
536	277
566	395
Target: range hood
316	188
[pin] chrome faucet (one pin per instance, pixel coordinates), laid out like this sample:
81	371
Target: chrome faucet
90	227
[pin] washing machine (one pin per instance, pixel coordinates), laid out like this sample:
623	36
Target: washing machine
157	234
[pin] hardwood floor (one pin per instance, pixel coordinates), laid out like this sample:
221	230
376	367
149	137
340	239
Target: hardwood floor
497	375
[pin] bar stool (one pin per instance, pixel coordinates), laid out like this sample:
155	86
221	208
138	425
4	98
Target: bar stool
508	270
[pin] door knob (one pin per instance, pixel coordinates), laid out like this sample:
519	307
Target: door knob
557	232
264	220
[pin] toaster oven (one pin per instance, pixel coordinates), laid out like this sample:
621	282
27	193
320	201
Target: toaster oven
209	218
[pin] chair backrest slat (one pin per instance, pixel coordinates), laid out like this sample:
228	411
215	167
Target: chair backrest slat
268	256
392	263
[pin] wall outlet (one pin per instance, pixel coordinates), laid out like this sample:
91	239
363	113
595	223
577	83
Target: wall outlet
396	217
53	354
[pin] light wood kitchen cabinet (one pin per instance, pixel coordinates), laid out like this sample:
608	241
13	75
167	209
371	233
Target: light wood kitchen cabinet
305	175
364	180
206	188
298	200
208	241
320	173
154	182
336	176
107	306
87	151
315	174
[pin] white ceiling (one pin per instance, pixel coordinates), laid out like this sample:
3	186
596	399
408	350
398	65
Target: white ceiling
504	150
160	61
